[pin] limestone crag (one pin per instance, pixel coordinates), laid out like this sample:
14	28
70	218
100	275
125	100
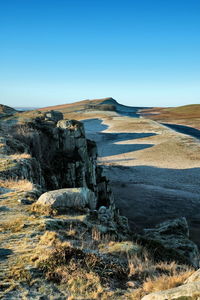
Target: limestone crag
60	156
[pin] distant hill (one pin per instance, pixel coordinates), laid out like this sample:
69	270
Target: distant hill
188	115
95	106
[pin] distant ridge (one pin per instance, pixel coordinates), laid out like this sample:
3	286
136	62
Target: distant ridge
81	103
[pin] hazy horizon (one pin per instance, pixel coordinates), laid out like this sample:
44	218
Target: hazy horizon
141	53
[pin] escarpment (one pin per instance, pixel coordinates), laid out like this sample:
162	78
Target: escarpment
60	156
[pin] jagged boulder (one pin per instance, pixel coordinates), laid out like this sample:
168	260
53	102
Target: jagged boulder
170	241
75	198
73	125
53	115
190	291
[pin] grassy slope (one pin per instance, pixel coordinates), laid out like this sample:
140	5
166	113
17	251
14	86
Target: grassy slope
183	115
85	109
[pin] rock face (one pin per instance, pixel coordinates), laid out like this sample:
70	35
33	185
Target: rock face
62	154
170	241
76	198
53	116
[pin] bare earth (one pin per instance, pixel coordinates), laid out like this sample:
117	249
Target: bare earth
154	171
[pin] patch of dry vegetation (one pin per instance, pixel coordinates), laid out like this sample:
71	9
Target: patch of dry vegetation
43	210
165	282
14	223
20	185
6	164
183	115
20	156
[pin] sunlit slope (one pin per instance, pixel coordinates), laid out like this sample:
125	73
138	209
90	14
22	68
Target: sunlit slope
90	108
185	115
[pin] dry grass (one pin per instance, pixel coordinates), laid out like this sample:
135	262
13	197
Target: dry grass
96	234
20	156
99	237
183	115
154	277
49	238
6	164
44	210
82	271
86	284
19	273
21	185
166	282
15	224
119	249
72	231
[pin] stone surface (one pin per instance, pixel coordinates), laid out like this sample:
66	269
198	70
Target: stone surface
60	156
53	116
76	198
194	277
169	240
190	291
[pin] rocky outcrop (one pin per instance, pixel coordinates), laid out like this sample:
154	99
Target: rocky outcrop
65	158
170	241
54	116
63	199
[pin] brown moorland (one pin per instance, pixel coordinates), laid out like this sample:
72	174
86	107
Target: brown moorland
188	115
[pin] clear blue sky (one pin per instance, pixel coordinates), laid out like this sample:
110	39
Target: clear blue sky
144	52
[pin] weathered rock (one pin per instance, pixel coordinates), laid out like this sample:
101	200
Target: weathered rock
53	115
190	291
25	201
76	198
105	215
73	125
61	156
194	277
28	168
177	226
169	241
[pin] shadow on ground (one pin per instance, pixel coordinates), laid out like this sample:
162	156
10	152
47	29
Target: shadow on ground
149	195
106	141
185	130
4	253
